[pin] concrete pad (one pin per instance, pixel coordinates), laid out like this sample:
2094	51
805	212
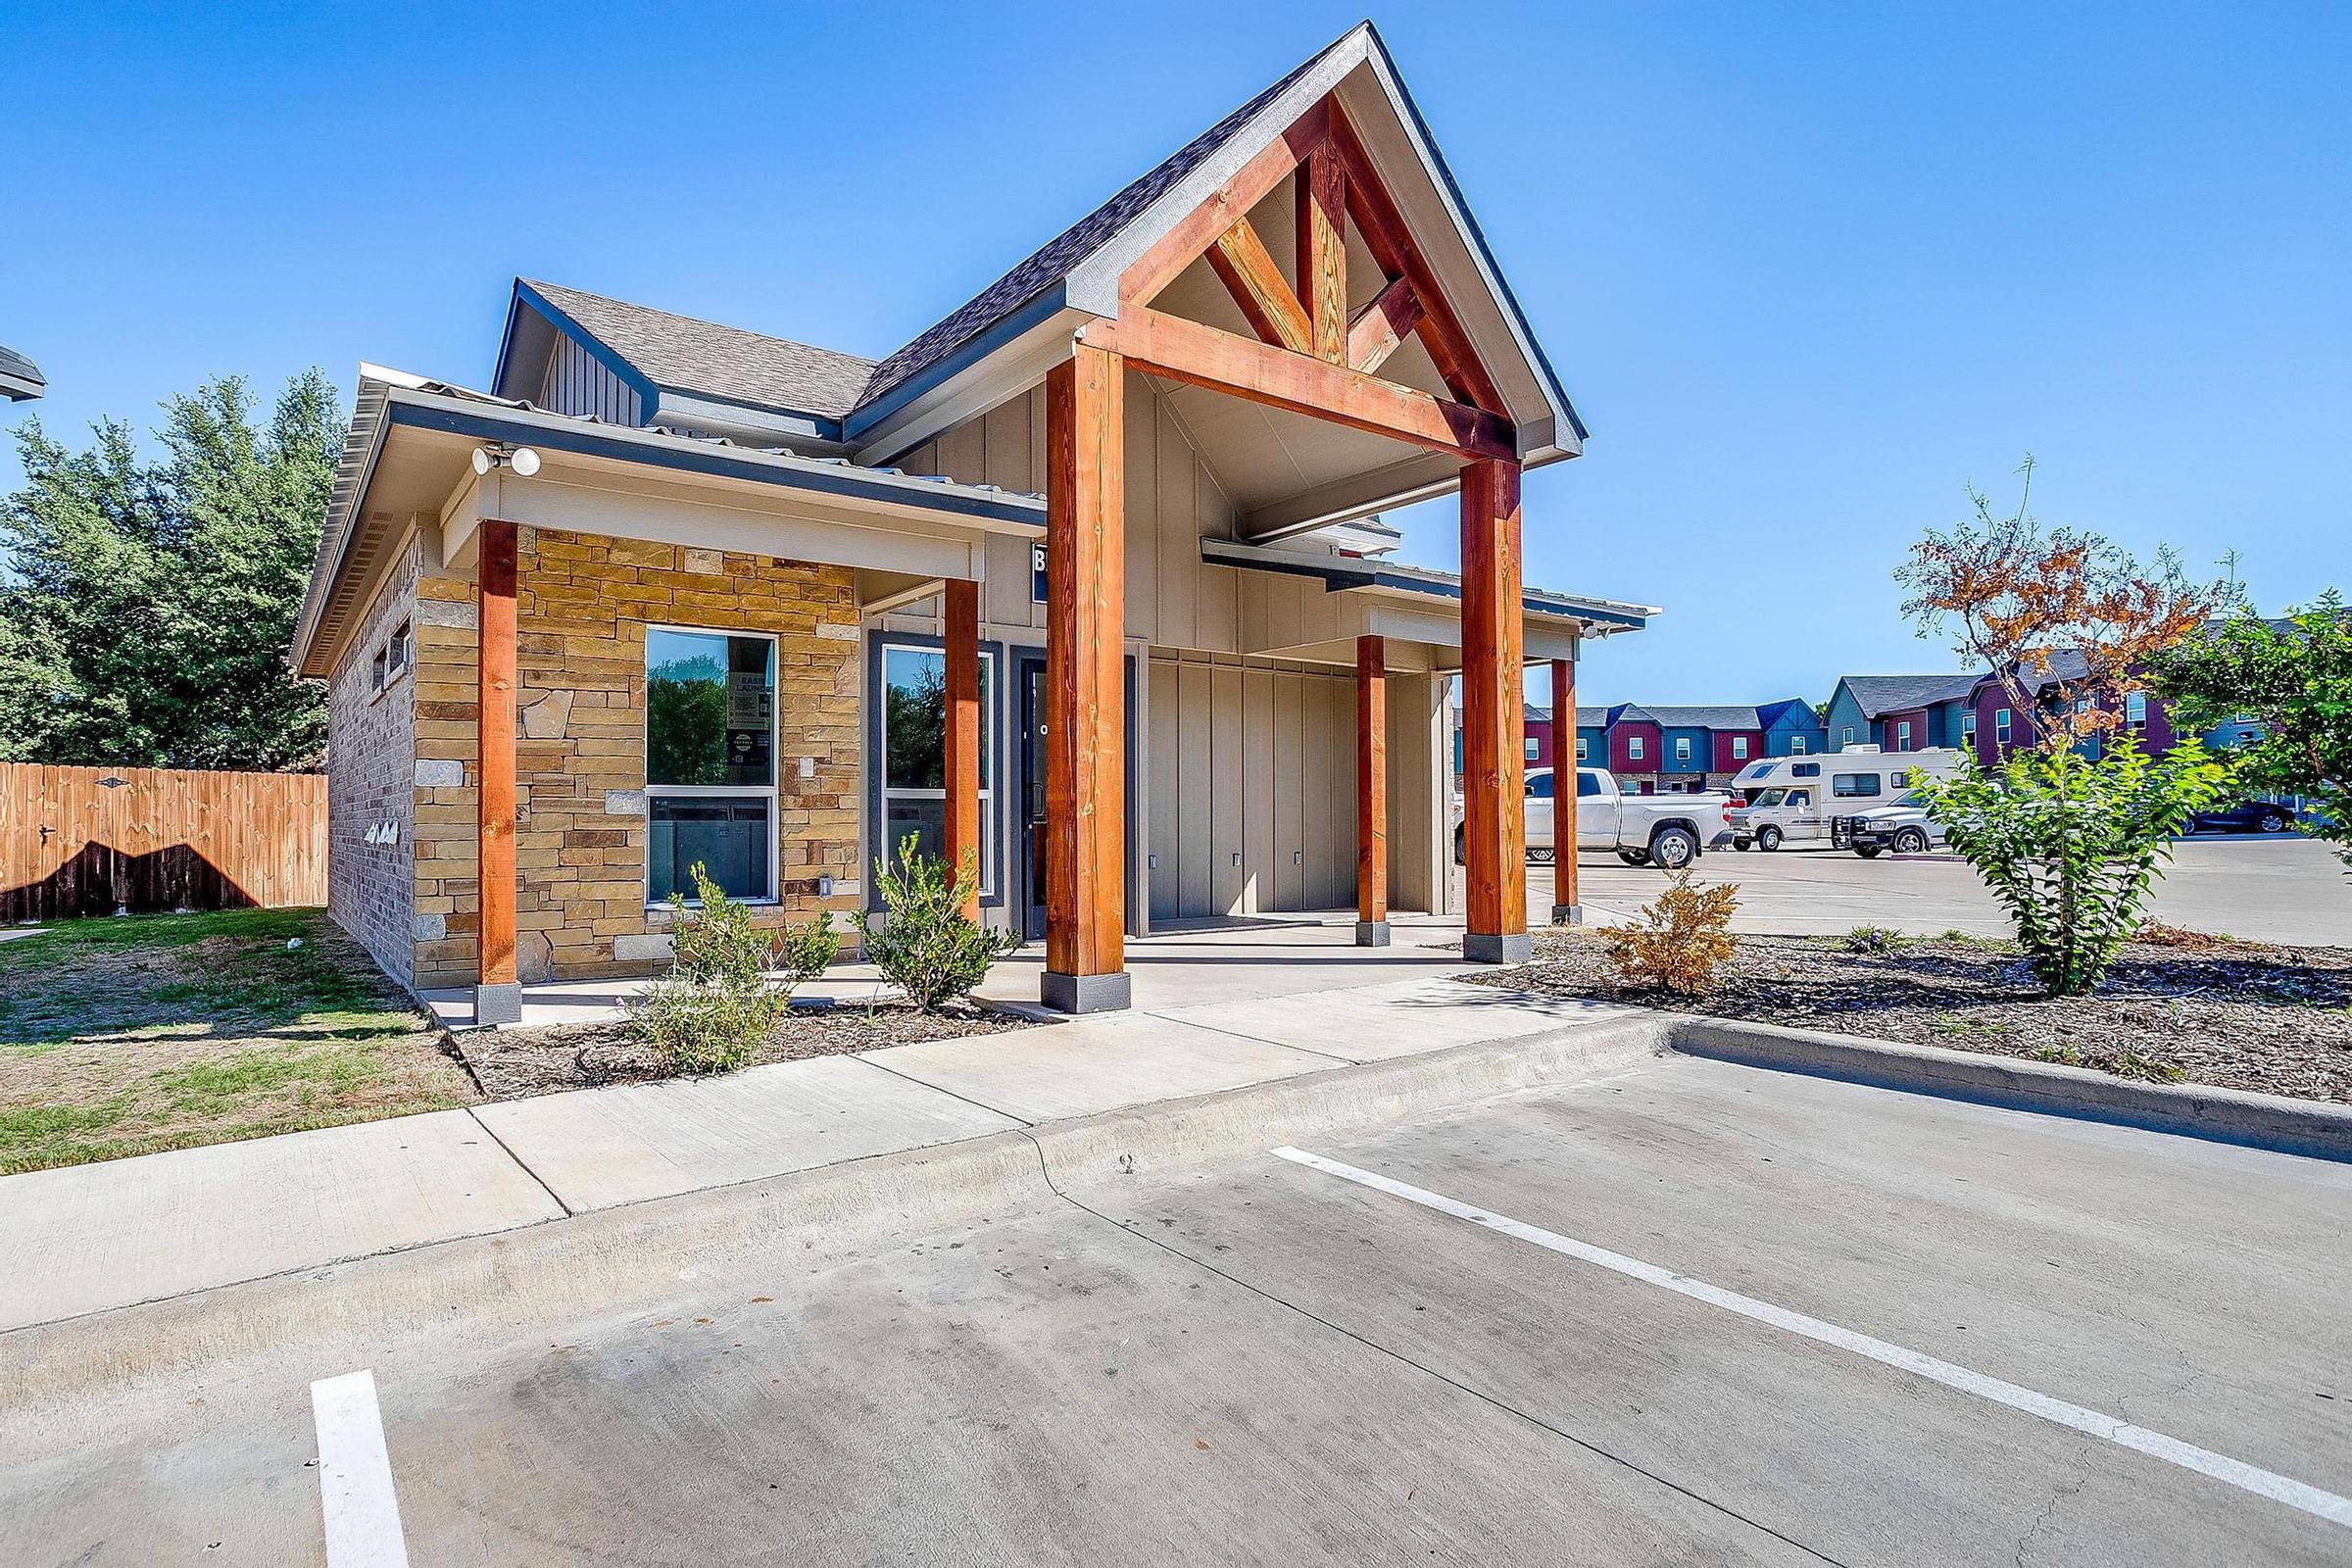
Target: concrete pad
1095	1064
600	1146
124	1231
1401	1018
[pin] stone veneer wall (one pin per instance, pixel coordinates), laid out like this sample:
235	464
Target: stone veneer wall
370	751
582	605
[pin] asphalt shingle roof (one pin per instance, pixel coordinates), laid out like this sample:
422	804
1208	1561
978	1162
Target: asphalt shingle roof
724	362
1713	716
1053	261
1895	694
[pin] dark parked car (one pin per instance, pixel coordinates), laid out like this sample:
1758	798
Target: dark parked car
2248	817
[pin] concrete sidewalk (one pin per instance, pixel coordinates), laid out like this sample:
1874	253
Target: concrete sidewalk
96	1236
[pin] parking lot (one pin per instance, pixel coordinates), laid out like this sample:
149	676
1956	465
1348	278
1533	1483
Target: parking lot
1685	1313
2268	889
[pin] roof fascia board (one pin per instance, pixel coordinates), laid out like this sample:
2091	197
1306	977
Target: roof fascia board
332	554
1384	69
18	388
1008	359
425	411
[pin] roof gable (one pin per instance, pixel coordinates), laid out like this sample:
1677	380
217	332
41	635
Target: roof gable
1078	273
1878	694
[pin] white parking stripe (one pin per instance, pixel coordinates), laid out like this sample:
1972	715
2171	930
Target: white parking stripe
355	1475
2235	1472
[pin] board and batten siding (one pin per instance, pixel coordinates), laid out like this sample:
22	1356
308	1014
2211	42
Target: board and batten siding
577	383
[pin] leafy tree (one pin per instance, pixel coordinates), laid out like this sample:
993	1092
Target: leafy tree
2069	843
146	609
2295	679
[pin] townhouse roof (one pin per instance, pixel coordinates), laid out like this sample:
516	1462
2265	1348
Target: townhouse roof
1877	695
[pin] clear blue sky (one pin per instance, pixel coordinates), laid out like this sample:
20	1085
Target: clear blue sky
1807	270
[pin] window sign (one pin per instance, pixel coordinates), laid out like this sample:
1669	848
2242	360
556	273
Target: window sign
1036	574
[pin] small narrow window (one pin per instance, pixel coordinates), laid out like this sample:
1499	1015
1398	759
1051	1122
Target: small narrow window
1902	736
2000	725
1535	748
399	651
2136	711
1682	748
1797	745
1632	747
1738	748
1584	748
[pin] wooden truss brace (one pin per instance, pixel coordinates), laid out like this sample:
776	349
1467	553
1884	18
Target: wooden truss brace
1309	356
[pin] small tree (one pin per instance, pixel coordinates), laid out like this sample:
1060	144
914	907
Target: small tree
2071	845
2293	678
927	947
2067	623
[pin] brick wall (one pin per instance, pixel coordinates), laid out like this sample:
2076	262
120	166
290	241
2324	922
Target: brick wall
582	605
369	754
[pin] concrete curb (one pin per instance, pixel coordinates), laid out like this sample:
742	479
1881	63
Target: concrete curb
629	1259
2309	1127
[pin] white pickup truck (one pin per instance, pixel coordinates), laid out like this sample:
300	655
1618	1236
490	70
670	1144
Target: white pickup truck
1665	830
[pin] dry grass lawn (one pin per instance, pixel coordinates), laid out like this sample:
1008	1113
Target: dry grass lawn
128	1036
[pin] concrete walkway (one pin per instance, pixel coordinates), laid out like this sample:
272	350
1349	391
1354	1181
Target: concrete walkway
1216	1010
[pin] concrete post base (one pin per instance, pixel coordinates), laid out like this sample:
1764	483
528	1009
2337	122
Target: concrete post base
1371	933
1515	947
498	1005
1567	915
1085	993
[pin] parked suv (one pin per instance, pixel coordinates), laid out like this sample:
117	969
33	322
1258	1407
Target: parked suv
1903	827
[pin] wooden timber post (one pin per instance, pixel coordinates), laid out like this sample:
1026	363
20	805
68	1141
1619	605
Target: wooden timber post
1371	793
1494	764
1086	742
1565	910
497	997
962	657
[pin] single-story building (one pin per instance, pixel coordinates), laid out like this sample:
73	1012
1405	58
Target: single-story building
1078	582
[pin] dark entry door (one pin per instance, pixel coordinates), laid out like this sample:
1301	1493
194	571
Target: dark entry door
1032	814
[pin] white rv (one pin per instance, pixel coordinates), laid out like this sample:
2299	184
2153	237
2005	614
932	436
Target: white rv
1791	800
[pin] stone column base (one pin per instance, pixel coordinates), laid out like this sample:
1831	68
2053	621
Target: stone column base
494	1006
1516	946
1085	993
1371	933
1567	915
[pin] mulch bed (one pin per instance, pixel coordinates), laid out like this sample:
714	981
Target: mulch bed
512	1063
2277	1020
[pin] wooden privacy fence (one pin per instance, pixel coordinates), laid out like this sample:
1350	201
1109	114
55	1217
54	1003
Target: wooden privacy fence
91	840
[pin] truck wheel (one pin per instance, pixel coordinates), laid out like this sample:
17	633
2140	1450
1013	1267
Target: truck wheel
1539	855
1742	845
1459	858
1868	851
1910	841
1769	839
1673	848
1634	856
2273	821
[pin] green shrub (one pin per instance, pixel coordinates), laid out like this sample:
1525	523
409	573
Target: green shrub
728	983
2071	845
1872	939
926	945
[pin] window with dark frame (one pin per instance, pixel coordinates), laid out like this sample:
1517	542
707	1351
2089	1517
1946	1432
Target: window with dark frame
915	755
710	762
